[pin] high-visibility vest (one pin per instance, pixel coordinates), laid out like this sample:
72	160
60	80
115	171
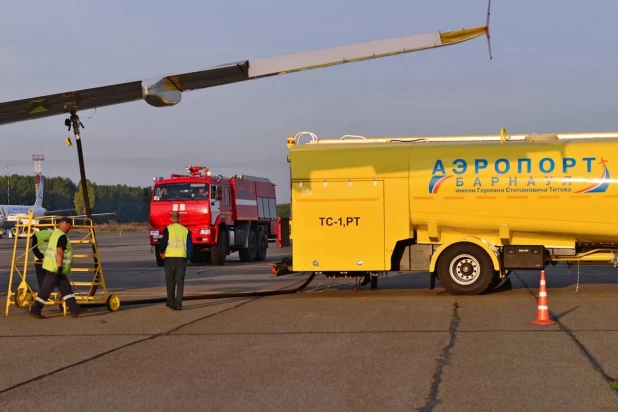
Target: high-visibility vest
177	241
50	254
42	239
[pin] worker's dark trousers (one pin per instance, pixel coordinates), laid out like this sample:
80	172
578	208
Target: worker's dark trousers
175	269
40	273
64	286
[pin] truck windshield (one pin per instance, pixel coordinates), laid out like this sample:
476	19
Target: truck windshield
181	191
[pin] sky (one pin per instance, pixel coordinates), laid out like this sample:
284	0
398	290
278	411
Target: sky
553	71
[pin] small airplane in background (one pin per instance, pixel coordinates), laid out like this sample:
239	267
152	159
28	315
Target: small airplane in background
167	91
11	214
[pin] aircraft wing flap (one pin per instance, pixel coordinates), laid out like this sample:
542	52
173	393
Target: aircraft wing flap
294	62
216	76
54	104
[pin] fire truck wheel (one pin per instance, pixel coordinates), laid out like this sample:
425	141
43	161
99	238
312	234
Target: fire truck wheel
465	269
200	255
158	256
218	252
248	254
262	245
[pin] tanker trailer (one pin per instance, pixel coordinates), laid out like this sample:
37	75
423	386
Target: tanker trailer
466	209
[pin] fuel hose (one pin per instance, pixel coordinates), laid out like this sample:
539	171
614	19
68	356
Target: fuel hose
212	295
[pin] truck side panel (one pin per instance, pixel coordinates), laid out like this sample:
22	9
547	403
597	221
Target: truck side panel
397	225
266	200
367	182
518	193
265	189
345	213
244	200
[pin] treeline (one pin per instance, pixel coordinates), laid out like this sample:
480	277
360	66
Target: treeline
60	193
283	209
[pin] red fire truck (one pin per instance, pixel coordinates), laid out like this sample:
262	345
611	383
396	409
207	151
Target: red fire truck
224	215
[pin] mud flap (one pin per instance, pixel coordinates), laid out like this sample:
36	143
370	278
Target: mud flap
282	268
283	231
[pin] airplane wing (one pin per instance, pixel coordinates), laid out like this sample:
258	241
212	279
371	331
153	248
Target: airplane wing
167	91
94	214
57	210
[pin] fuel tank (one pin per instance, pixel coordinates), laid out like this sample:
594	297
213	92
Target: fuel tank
353	201
549	188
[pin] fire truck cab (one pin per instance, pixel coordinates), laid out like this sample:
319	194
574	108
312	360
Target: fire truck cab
224	214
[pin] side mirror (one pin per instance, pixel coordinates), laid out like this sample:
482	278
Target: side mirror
146	195
219	195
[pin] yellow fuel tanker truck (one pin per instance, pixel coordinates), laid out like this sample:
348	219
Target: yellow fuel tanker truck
466	209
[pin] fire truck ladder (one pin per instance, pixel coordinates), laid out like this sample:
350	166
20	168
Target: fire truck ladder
83	289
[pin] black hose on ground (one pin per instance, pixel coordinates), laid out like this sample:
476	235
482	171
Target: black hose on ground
213	295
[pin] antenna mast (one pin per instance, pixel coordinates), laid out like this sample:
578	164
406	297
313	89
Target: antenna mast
37	159
8	185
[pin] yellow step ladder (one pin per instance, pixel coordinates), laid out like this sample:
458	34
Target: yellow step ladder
86	272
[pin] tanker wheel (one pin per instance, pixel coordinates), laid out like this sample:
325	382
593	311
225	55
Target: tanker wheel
465	269
262	245
248	253
218	252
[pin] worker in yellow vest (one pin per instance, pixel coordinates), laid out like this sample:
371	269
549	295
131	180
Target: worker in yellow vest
175	247
57	264
40	240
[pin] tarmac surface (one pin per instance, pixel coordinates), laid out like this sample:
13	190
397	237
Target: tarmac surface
328	348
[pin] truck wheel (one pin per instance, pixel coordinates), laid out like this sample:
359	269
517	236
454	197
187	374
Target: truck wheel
248	254
200	255
465	269
218	252
158	256
262	245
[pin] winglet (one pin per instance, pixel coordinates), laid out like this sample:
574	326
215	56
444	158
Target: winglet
487	29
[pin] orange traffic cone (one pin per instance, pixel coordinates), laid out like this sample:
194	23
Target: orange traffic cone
542	313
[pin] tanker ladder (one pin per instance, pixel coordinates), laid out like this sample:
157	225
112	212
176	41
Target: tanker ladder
83	289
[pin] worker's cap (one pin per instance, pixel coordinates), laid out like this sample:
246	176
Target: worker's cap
65	220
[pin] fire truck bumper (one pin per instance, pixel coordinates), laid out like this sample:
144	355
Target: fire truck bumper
155	235
202	236
198	236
